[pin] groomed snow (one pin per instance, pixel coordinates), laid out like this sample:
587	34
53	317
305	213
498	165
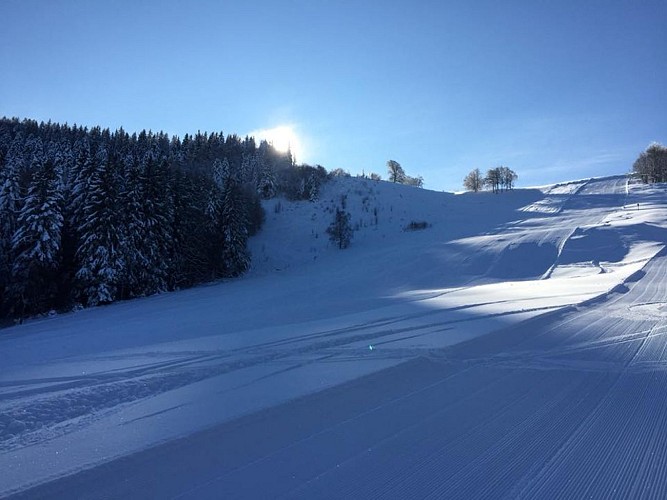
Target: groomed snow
517	339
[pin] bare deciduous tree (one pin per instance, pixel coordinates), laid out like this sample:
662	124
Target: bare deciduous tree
474	181
651	166
500	178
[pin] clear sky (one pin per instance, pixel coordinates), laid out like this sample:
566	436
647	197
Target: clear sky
552	89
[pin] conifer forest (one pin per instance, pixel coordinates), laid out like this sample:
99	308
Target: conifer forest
89	216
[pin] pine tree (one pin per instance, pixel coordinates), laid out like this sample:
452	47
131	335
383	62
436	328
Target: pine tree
256	165
10	207
234	221
100	252
340	230
84	168
246	169
182	228
220	172
198	224
267	183
132	227
36	242
94	216
63	163
157	215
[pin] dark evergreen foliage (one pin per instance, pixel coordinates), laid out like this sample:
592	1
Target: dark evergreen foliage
340	230
36	240
302	182
90	216
417	225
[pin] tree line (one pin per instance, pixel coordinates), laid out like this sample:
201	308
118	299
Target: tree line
651	166
90	216
497	179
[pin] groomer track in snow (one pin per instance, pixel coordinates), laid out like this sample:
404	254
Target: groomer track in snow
514	348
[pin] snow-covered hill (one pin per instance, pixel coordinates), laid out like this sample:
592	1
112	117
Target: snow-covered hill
511	271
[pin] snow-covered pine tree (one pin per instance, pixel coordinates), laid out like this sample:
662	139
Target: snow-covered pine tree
256	166
234	220
132	227
254	210
267	183
157	215
221	171
246	171
64	165
215	223
104	205
312	188
179	230
10	206
36	242
100	254
82	174
198	251
225	205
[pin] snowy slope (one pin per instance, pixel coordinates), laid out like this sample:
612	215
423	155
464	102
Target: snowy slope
82	389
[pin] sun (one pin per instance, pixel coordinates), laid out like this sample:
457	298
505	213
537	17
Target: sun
283	138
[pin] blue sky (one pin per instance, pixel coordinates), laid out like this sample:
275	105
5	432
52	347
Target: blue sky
555	90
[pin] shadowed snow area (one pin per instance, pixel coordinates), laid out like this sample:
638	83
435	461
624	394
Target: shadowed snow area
515	347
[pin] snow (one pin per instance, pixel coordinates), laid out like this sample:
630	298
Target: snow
514	347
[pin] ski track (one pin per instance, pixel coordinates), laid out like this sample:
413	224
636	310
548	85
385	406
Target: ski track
571	433
62	399
571	404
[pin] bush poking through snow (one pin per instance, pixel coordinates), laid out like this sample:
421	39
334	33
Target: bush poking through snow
338	172
417	226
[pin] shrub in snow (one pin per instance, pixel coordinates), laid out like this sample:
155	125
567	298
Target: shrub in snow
338	172
416	225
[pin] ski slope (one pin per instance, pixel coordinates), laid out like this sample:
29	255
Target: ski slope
514	348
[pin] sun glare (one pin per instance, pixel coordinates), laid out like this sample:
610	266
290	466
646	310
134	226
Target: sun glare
282	138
